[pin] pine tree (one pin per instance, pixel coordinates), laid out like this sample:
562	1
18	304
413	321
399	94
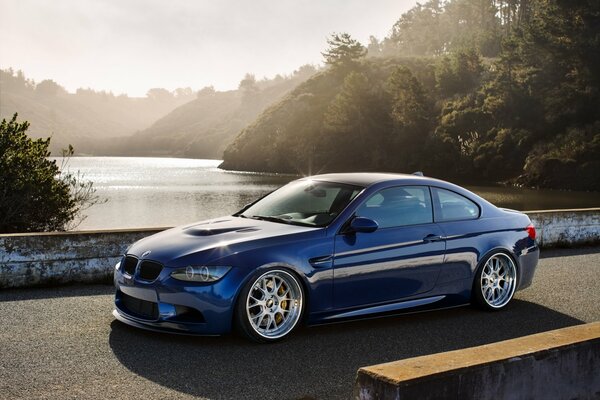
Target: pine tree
343	51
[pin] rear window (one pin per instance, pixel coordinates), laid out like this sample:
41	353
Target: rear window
451	206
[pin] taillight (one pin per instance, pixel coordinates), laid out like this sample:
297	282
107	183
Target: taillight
531	231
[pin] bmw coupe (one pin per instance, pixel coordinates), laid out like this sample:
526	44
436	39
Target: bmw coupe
328	248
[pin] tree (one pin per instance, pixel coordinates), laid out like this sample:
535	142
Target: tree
458	73
250	91
35	195
343	51
409	106
356	123
410	117
418	31
437	27
183	93
159	94
15	82
248	84
472	24
374	47
49	88
206	91
305	71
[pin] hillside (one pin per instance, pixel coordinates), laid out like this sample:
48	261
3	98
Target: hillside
82	118
528	115
292	136
203	127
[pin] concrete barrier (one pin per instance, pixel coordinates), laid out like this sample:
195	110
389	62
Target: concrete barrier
69	257
560	364
566	227
33	259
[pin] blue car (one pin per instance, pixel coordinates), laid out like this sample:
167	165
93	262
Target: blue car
328	248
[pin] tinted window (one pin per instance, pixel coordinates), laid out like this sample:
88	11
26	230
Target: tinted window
304	202
452	206
398	206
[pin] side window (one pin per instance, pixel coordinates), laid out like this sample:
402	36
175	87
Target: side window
398	206
452	206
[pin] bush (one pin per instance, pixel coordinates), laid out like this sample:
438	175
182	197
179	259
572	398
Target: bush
34	194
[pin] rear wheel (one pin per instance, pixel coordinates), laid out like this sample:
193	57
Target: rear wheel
270	306
495	282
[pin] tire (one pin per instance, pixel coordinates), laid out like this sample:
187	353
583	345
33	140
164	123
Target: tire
495	282
270	306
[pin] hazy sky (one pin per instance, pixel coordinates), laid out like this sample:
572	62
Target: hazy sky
129	46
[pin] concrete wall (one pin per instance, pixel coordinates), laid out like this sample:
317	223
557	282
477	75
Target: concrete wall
560	364
60	258
566	227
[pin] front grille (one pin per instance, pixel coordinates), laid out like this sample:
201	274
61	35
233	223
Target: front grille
130	264
149	270
138	307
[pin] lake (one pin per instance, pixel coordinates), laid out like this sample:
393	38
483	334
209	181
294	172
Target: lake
155	192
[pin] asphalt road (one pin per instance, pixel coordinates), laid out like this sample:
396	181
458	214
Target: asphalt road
63	343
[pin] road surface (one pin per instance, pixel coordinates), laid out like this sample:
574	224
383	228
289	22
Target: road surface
64	343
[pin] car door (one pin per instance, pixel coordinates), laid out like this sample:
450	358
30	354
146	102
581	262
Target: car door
458	217
402	258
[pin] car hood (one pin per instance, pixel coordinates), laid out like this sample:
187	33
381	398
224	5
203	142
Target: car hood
215	238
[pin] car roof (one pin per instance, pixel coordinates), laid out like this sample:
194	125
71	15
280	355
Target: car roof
367	178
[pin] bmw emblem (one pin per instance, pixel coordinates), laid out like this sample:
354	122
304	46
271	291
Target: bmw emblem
146	253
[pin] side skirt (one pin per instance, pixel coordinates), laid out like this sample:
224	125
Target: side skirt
399	313
386	308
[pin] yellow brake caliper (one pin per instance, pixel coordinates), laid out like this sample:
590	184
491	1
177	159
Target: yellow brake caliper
283	305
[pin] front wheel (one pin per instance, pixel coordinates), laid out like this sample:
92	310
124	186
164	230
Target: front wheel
495	282
270	306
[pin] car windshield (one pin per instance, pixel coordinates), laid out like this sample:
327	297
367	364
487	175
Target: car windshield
303	202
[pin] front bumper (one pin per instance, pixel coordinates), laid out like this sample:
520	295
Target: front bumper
163	327
169	305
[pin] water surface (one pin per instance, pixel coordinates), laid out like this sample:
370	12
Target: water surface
153	192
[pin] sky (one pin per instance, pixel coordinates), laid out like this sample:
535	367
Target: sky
130	46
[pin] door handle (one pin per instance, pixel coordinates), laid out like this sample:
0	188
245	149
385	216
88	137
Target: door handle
433	238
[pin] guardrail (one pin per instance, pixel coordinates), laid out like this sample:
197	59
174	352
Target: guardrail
88	256
559	364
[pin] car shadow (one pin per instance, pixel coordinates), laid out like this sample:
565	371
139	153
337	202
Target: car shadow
568	251
317	362
54	292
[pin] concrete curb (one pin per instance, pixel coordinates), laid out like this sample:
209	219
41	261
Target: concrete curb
563	363
52	258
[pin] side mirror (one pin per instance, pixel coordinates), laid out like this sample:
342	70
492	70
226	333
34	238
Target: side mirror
363	225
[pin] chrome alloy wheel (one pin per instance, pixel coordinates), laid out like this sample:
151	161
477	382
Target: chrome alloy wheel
498	280
274	304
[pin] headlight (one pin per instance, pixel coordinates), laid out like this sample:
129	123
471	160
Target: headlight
118	265
202	274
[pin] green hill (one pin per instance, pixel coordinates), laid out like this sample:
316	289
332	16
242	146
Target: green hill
529	113
203	127
296	136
